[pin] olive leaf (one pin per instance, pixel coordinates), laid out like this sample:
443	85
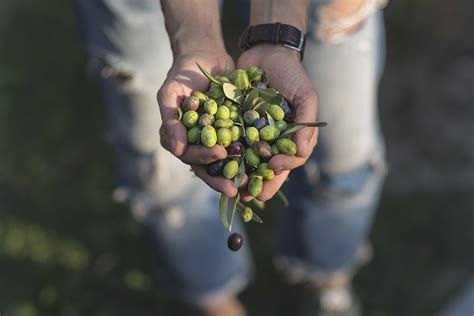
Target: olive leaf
283	198
251	96
297	126
241	120
208	75
223	201
268	93
233	203
240	175
277	100
180	113
259	104
232	92
271	121
227	69
264	77
256	218
259	204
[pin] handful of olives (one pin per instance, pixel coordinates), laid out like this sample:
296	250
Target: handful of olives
252	121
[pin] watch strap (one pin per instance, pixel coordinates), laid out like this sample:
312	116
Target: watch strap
274	33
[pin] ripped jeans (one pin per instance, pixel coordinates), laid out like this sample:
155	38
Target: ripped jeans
332	198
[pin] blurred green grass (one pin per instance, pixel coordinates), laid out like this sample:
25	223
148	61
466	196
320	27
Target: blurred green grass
66	249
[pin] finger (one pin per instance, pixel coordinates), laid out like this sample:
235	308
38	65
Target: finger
304	141
174	130
271	187
201	155
219	184
245	196
280	163
306	111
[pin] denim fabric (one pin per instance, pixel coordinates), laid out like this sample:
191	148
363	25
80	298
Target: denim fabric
333	197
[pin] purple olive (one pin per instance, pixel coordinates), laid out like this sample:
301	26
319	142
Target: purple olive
259	84
263	149
235	241
215	169
287	109
260	123
235	148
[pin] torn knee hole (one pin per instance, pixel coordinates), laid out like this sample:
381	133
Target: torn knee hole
341	18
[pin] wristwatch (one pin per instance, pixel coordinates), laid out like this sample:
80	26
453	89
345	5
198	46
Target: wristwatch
274	33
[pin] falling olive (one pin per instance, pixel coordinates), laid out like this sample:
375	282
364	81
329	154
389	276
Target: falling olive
235	241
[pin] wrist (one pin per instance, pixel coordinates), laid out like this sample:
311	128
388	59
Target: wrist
187	45
265	49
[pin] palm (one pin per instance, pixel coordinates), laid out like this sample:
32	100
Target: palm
182	79
286	74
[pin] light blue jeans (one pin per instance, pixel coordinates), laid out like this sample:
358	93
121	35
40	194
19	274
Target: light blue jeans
332	198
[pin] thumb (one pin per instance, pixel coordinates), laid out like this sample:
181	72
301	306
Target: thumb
172	131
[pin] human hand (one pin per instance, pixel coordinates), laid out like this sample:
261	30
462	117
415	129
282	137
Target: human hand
286	74
184	77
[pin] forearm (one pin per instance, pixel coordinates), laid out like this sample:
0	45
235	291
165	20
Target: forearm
294	12
193	25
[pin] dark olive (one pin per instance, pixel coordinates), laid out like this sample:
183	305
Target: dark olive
215	169
287	109
249	169
260	123
235	149
235	241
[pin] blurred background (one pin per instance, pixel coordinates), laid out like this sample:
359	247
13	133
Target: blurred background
67	249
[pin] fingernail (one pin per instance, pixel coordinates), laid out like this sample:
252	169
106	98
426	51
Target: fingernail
174	147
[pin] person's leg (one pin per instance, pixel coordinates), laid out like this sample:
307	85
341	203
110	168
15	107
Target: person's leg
334	196
129	50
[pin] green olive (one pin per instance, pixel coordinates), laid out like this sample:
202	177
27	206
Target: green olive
286	146
224	136
251	157
215	91
251	135
190	119
234	116
276	112
230	169
265	171
223	113
236	132
233	107
255	186
210	107
224	123
246	214
240	79
194	135
282	125
208	136
275	150
269	133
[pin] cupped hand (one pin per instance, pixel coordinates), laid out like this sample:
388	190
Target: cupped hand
184	77
286	74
